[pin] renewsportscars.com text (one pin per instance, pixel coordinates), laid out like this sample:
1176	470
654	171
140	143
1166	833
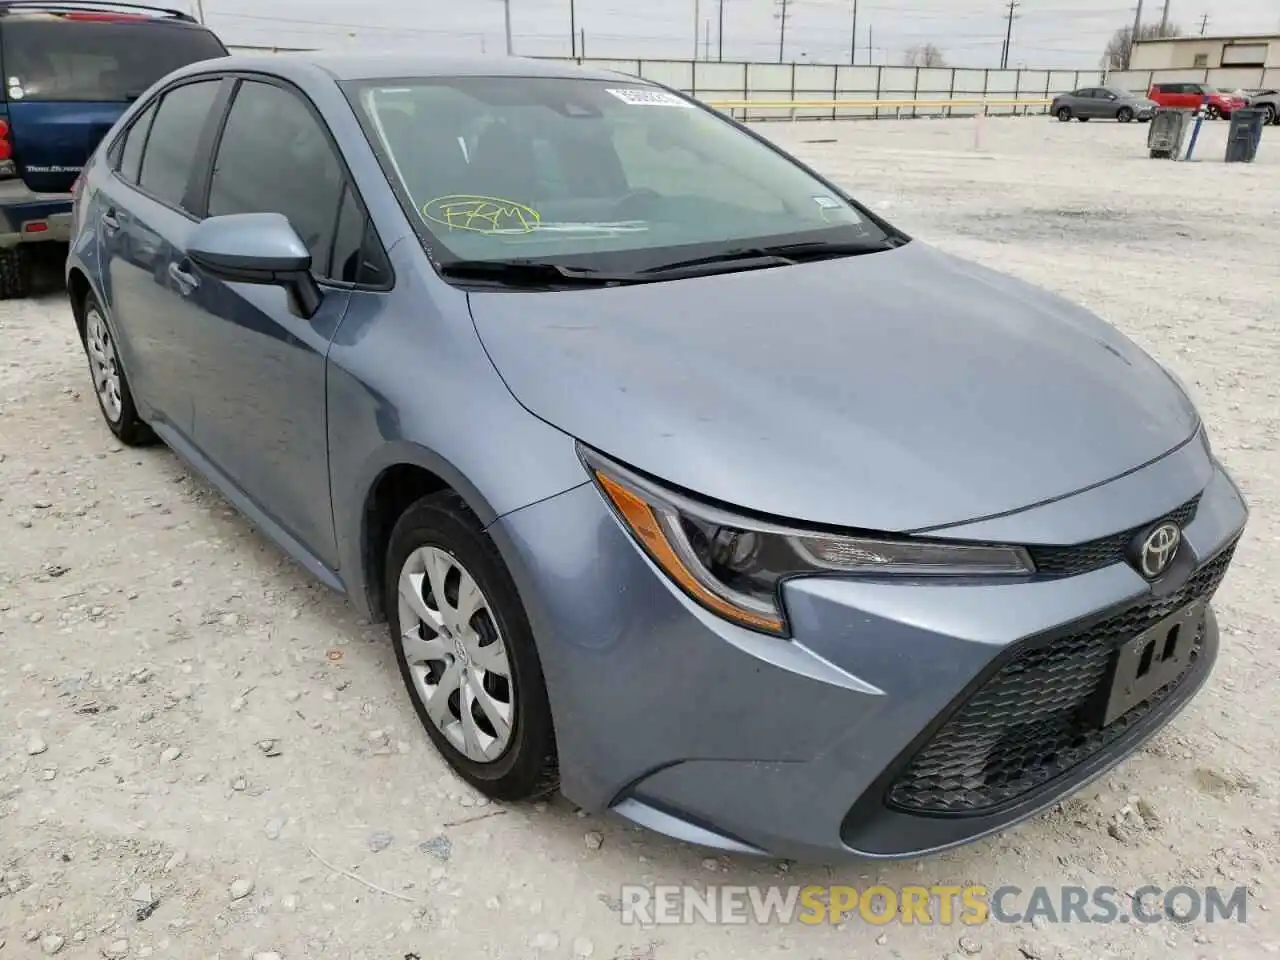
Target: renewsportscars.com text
929	905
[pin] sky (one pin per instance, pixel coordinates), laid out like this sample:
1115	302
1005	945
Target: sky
1046	33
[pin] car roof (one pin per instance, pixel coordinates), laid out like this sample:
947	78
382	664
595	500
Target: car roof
399	66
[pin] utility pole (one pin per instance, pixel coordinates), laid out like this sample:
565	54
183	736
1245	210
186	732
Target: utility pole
853	36
1008	36
573	29
200	10
871	56
1133	37
697	24
1204	24
782	29
706	41
720	34
1164	18
582	42
506	4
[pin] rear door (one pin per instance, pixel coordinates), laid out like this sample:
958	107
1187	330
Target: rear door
144	218
69	77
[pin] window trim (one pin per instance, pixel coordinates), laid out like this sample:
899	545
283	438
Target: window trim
236	79
119	146
157	100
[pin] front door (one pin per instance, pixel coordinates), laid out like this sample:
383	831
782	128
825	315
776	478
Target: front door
259	399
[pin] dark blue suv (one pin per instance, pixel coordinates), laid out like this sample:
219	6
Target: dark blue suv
69	70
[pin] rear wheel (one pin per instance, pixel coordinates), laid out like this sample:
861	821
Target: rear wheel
1213	113
1271	114
1064	114
1124	115
15	273
466	651
109	382
1083	119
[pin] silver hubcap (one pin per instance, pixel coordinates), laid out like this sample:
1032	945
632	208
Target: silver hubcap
102	363
456	654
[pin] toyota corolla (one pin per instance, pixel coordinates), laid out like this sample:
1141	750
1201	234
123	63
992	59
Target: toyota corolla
687	485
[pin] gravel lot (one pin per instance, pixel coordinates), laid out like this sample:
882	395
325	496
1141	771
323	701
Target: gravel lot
200	748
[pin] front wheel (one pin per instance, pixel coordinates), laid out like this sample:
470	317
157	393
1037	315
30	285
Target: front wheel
467	653
1270	114
1064	115
1213	113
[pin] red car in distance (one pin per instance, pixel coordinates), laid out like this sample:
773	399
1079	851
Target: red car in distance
1193	96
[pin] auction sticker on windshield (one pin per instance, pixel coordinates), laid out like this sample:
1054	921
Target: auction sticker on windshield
640	97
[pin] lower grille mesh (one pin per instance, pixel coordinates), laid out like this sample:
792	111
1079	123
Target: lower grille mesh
1028	723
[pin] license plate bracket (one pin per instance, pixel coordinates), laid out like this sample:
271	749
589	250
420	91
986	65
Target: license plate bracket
1155	657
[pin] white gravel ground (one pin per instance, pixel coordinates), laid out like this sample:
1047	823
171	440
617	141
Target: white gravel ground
188	724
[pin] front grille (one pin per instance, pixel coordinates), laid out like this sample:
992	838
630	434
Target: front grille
1083	557
1030	721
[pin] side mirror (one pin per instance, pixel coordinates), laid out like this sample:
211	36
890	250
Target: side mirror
260	248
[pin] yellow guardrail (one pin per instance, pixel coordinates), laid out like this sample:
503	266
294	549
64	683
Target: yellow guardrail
870	104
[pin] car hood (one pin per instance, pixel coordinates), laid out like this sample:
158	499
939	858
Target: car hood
893	391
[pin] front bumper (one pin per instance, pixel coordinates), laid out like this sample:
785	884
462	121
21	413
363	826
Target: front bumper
717	735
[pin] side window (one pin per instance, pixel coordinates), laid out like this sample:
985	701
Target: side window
170	157
275	158
135	138
358	256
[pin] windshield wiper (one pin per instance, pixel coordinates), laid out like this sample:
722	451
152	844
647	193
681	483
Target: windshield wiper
533	273
782	254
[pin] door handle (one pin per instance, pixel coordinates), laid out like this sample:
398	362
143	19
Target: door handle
110	222
187	282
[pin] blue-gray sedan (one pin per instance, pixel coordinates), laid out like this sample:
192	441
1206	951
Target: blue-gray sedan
686	484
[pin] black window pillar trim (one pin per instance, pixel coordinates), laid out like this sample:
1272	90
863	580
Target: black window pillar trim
196	199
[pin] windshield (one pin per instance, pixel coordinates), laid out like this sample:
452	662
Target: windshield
596	174
72	60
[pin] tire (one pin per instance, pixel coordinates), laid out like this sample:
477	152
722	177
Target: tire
15	273
1083	119
1271	115
1213	113
1124	115
1064	114
110	385
441	528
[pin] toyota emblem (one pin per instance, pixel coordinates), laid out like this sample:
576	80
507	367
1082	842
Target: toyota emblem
1157	549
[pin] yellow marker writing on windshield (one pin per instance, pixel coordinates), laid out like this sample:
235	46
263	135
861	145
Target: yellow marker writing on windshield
481	214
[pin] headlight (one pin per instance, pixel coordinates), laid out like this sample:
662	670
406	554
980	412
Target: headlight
734	566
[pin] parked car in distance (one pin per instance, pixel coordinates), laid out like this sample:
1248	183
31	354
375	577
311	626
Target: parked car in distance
683	480
70	69
1193	96
1268	101
1102	103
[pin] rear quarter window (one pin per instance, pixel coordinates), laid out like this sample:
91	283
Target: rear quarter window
89	61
